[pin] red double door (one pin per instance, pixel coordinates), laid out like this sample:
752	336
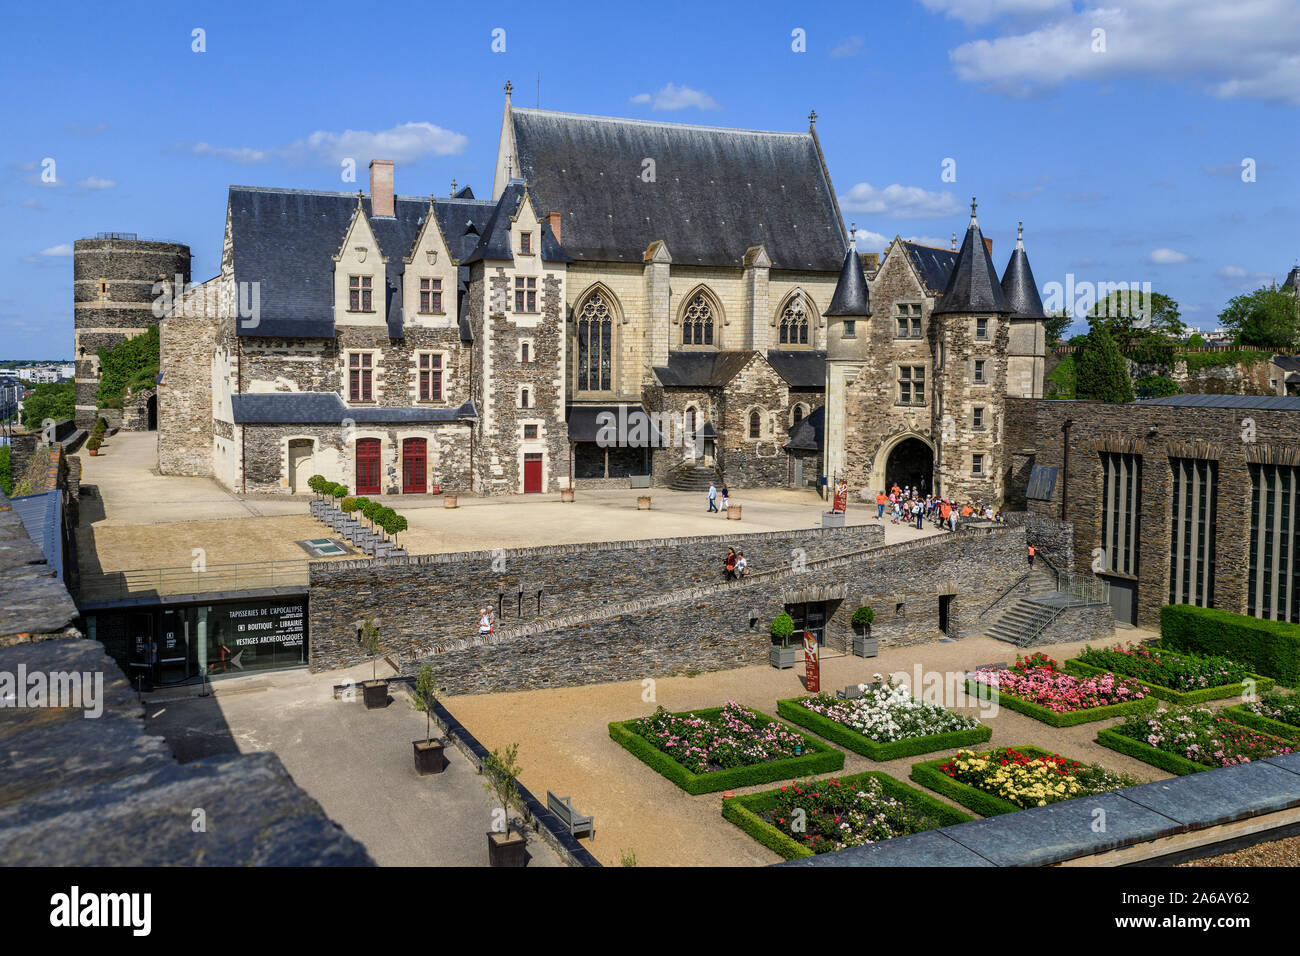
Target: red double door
368	466
415	466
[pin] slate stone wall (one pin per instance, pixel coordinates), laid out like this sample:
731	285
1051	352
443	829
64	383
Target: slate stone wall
1053	539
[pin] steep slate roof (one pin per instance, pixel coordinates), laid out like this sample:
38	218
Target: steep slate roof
1292	280
807	435
495	241
323	408
701	369
973	285
801	368
851	294
932	264
286	240
716	191
1018	284
585	424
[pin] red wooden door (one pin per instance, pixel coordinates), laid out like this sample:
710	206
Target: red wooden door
532	473
414	466
367	466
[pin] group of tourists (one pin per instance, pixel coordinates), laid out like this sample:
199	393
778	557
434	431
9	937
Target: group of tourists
714	494
736	567
910	505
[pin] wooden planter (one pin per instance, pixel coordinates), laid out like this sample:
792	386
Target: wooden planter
375	693
566	494
733	512
449	501
428	756
507	849
642	502
864	645
782	657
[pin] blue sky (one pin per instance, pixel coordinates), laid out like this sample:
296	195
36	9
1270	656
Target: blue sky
1125	162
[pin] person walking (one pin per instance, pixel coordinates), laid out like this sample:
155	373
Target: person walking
919	512
880	505
1032	552
713	497
952	517
726	499
742	566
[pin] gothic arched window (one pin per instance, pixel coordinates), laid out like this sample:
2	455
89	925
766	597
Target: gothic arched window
797	416
595	331
794	322
697	321
755	425
690	421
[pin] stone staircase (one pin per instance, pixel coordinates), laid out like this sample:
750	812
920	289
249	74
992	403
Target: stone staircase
694	478
1023	621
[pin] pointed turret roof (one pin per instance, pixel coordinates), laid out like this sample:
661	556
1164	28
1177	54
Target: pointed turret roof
973	285
851	297
1018	282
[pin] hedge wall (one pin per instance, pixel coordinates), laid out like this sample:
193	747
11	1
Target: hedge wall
1079	669
744	812
837	733
985	804
818	758
1071	718
1238	714
1271	647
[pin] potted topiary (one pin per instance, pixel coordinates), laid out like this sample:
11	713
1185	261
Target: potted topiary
428	752
864	645
337	494
92	446
642	502
782	654
505	848
374	691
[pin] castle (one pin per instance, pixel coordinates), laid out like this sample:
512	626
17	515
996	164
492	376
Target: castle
621	269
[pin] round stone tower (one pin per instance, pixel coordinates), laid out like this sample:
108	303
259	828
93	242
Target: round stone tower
115	277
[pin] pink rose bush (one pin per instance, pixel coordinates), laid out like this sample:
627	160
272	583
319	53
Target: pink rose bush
1062	693
735	737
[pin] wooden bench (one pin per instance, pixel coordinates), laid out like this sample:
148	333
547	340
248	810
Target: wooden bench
576	823
849	693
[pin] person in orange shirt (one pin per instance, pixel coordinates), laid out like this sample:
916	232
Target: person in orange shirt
966	511
880	505
895	490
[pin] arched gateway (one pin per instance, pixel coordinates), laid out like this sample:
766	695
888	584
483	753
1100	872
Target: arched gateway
909	462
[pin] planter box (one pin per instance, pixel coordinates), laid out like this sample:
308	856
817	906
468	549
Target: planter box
793	711
449	501
566	494
832	520
375	693
507	849
1079	669
429	756
1067	719
782	657
744	812
816	758
733	512
643	503
982	802
639	481
864	645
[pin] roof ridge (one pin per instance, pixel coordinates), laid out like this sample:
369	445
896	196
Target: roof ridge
645	122
352	195
926	245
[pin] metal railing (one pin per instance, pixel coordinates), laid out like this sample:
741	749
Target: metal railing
120	585
1079	590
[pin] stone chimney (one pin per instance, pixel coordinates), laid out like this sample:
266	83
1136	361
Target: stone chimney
988	244
553	219
381	187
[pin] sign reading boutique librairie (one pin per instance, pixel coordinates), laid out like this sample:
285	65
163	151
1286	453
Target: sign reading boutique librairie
272	634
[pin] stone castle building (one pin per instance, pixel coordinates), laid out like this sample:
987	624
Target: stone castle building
623	270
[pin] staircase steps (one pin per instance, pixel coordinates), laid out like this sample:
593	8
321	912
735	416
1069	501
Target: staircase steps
694	478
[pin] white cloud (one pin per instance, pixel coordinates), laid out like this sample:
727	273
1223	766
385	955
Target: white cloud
1167	257
1241	50
850	47
404	144
63	249
95	182
982	11
868	241
1231	272
235	154
899	202
674	97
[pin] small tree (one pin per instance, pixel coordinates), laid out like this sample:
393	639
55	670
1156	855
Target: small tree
1100	370
361	503
782	627
863	616
370	644
348	505
500	767
398	526
338	491
426	692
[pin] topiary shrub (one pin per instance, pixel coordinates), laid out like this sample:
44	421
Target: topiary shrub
348	505
782	627
863	617
1271	648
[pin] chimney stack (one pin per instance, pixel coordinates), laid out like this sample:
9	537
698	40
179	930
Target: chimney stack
988	244
381	187
553	219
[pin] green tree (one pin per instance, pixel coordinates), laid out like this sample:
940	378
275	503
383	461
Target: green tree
1195	341
56	400
1060	381
1057	325
1133	318
1100	371
1264	318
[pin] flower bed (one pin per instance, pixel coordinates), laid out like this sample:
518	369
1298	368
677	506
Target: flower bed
837	813
1015	778
1190	739
1277	714
1177	677
723	747
1060	699
885	723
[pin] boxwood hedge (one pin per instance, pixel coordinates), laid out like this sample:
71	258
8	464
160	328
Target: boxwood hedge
837	733
817	758
1146	753
744	812
985	804
1239	714
1079	669
1069	718
1270	647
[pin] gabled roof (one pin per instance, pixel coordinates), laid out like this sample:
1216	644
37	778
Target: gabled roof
322	408
801	368
495	241
1018	283
932	264
286	239
851	294
702	369
807	435
1292	280
715	193
973	285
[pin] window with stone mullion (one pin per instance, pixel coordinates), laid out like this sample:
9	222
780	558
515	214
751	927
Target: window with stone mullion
595	346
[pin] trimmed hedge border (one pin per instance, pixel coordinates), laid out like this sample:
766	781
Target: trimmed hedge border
1148	754
837	733
1223	691
818	759
1070	718
985	804
744	812
1265	725
1271	647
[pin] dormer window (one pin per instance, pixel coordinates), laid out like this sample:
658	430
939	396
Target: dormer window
526	243
359	292
431	297
525	294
